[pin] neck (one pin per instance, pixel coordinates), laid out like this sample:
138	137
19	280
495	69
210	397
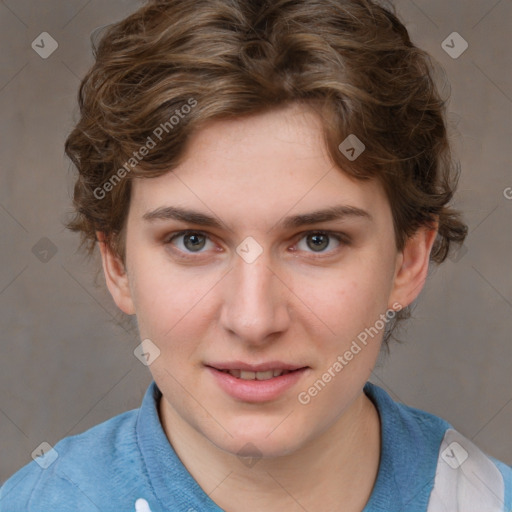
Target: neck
340	465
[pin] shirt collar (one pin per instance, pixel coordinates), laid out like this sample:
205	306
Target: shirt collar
406	457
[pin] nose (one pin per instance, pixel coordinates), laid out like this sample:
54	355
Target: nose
255	308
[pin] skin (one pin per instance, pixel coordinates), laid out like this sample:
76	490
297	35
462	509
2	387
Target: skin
295	303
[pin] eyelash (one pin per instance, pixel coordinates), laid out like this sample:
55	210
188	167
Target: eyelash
341	238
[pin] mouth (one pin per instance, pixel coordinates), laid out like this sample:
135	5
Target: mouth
260	371
251	375
258	382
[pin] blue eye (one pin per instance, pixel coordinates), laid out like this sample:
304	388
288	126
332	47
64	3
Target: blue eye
193	241
188	243
319	241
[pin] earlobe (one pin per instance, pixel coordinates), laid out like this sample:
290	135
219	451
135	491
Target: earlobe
116	277
412	266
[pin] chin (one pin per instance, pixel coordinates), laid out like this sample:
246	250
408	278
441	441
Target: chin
259	445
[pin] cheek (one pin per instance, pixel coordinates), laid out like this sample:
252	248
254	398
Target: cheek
168	301
346	302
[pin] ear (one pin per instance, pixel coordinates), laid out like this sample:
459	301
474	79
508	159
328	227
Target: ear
115	277
412	266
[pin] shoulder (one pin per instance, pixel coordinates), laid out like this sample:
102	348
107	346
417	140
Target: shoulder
69	473
434	466
408	428
469	480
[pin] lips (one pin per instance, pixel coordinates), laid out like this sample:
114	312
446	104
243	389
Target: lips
256	385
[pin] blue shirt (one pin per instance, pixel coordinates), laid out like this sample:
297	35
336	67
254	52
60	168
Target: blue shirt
127	464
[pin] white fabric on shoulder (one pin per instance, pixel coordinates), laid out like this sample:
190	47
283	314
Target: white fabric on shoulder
466	479
141	505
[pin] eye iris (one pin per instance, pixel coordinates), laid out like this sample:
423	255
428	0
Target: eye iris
197	241
318	243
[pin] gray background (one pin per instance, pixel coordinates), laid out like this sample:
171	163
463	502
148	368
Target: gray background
67	358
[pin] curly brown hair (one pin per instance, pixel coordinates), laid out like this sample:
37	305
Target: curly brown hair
352	61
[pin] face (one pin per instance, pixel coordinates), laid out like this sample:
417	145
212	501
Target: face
229	265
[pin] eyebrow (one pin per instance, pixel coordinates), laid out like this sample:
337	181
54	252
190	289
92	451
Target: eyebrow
294	221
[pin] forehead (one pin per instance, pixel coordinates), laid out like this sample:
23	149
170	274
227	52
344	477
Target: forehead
258	167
